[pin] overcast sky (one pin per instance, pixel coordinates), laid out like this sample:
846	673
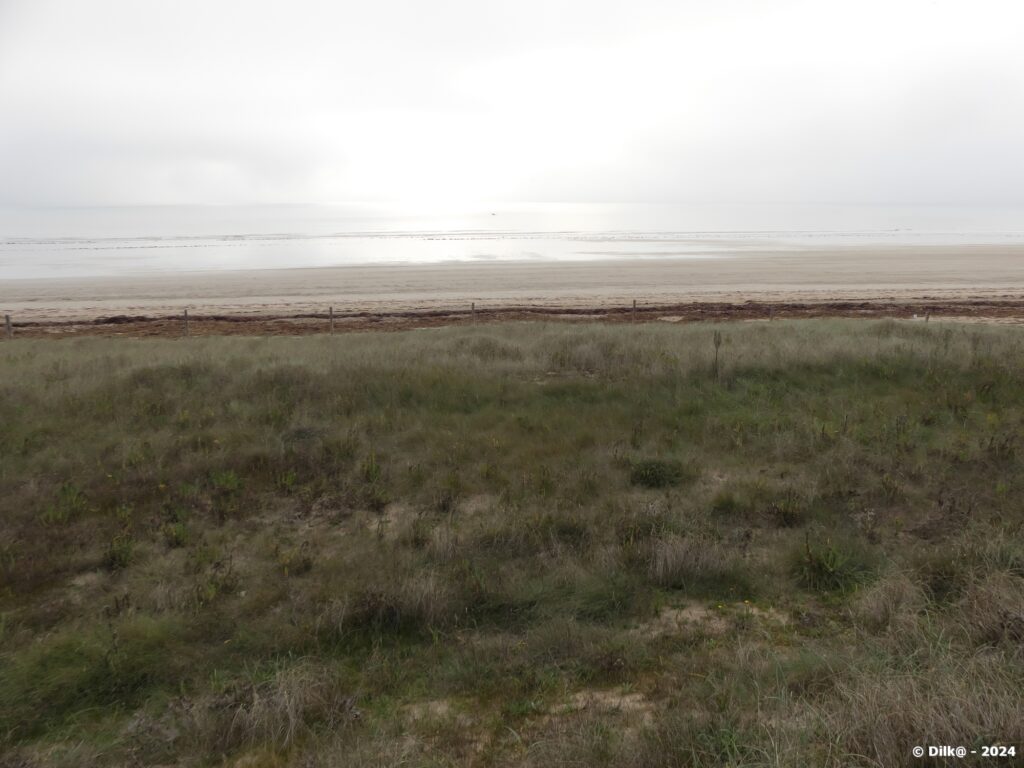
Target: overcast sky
112	102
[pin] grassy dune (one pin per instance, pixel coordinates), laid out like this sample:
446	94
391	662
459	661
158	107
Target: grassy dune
526	544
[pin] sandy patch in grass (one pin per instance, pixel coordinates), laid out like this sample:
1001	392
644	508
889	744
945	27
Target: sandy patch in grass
632	704
715	621
87	579
475	505
389	522
436	709
688	619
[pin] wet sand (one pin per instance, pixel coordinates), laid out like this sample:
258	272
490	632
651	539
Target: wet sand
852	274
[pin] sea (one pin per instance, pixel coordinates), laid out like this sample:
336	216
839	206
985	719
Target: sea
126	241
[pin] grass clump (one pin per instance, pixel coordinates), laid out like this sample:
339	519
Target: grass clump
175	534
273	709
699	565
659	473
120	552
69	504
831	566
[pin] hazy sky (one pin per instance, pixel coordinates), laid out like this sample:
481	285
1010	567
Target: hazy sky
243	101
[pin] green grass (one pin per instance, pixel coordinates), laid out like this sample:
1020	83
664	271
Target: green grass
523	544
655	473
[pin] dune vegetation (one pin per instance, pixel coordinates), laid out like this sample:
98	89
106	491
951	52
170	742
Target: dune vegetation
536	544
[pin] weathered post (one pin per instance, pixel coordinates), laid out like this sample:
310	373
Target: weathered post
928	317
330	313
718	343
187	332
8	328
634	310
472	310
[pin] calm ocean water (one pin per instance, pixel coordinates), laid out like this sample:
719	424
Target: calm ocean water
75	242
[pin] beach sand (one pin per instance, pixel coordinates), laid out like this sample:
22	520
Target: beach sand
933	273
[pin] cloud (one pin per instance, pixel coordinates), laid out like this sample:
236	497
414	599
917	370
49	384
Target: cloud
120	102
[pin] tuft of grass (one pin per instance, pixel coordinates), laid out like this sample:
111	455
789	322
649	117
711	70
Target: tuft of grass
697	565
69	504
660	473
274	709
295	561
175	534
831	566
119	552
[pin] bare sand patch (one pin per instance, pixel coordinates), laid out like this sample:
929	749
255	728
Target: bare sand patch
436	709
87	579
388	523
715	621
477	504
686	619
632	705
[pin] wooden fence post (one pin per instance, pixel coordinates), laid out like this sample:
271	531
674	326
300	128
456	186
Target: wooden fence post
8	327
187	332
331	314
717	338
634	310
472	309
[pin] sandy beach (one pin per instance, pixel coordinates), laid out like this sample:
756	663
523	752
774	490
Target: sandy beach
836	274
